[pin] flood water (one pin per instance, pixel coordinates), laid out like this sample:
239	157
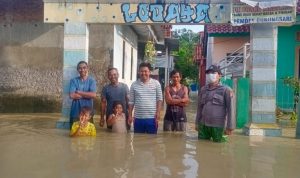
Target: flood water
31	146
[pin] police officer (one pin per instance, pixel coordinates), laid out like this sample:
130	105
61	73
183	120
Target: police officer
214	120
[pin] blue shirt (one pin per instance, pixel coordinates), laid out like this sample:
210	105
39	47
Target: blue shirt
115	93
88	85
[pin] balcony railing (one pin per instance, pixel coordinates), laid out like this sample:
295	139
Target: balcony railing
236	63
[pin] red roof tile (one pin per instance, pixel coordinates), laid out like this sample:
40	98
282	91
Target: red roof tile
227	28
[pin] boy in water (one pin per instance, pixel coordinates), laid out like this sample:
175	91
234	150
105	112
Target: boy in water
117	120
83	127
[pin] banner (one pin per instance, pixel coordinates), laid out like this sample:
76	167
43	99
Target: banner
244	14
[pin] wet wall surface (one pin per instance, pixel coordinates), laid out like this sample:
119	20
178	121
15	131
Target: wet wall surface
31	64
32	147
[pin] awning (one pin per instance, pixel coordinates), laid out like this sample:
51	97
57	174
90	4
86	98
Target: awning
269	3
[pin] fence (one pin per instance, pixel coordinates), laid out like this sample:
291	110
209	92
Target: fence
236	64
241	99
284	96
241	88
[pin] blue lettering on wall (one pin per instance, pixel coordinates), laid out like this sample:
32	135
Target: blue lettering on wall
173	13
143	12
156	11
127	16
181	13
186	13
202	13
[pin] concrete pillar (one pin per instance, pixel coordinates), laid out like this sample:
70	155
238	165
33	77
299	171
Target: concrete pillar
76	45
263	81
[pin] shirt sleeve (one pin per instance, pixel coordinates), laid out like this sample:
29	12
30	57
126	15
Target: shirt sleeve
93	130
103	93
73	87
93	85
74	128
158	92
126	89
199	107
228	101
131	94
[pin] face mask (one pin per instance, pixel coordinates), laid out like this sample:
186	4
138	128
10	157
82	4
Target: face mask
211	78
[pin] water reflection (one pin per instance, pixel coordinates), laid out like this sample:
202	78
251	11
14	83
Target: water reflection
30	146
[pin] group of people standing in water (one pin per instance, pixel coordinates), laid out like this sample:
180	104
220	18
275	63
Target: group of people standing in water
140	105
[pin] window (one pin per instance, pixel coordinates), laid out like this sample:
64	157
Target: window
123	61
131	65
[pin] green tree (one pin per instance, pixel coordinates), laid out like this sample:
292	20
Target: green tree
185	54
293	83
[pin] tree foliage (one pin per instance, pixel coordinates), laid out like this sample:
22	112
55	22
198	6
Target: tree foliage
293	83
149	52
185	54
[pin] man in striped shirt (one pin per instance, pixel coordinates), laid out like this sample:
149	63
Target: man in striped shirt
146	99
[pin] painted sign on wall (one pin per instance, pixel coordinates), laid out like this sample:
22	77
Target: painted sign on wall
180	13
245	14
146	13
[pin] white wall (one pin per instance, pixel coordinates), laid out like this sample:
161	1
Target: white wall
124	33
218	47
210	49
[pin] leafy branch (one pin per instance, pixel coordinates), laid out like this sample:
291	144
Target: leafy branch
150	52
295	85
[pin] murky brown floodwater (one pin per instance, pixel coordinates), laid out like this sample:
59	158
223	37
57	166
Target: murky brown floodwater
31	147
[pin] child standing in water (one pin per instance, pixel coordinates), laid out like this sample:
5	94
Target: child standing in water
117	120
83	127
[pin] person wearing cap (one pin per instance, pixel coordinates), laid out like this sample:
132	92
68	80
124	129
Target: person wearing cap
213	119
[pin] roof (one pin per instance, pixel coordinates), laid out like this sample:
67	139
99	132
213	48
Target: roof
227	28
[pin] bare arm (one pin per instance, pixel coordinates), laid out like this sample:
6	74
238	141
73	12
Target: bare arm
169	99
75	95
158	108
103	110
111	120
83	94
131	104
130	109
72	90
127	102
185	100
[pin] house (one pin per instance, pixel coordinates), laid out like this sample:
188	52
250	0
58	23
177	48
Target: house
42	33
39	57
265	64
288	57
